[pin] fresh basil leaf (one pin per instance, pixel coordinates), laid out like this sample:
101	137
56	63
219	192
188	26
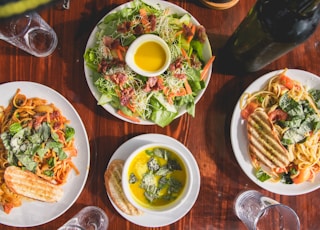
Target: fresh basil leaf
44	131
52	162
27	162
14	128
35	138
151	195
315	95
163	182
12	159
55	137
292	136
290	106
48	173
160	152
262	175
69	133
5	137
149	152
61	154
174	186
41	152
173	165
54	145
132	178
163	171
295	122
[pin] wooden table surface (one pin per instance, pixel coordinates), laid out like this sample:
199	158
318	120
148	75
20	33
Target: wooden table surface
207	135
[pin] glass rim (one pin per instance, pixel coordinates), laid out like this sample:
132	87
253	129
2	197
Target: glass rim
14	20
276	205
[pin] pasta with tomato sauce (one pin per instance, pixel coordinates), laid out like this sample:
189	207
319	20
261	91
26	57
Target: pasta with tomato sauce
35	136
293	111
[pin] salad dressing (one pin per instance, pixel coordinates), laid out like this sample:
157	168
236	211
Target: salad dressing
150	56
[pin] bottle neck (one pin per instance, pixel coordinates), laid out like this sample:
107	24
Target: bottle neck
289	20
302	7
306	7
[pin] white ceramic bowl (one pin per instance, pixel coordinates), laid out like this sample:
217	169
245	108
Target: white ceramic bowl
159	208
148	55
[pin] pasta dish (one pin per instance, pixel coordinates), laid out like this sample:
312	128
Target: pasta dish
293	112
36	137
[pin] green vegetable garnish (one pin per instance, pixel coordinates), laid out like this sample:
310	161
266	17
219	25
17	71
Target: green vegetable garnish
23	144
131	94
261	175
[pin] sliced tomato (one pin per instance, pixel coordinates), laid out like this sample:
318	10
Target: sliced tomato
278	115
304	175
7	207
286	81
250	108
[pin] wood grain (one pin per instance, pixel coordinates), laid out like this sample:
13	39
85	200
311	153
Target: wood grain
207	135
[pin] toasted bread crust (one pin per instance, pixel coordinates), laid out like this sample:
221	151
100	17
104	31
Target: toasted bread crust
264	143
112	177
28	184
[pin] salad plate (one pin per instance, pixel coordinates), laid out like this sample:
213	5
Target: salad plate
34	213
239	141
100	90
152	220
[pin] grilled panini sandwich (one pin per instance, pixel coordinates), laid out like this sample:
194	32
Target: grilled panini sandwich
28	184
264	144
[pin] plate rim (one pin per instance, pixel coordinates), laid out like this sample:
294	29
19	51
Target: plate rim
168	218
242	156
64	205
88	72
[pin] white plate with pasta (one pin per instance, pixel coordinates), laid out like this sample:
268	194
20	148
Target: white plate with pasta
239	138
33	213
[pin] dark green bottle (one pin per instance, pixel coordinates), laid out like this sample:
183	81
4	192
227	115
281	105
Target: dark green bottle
271	29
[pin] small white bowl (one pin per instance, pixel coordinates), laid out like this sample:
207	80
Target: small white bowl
150	208
148	55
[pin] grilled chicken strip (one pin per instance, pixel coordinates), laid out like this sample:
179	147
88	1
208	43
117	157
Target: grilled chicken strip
30	185
264	144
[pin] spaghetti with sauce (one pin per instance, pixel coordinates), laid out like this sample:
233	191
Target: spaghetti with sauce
35	136
294	113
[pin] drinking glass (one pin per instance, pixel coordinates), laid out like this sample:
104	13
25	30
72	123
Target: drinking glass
89	218
30	33
257	211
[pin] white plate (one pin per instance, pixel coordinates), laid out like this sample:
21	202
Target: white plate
207	53
240	142
33	213
150	220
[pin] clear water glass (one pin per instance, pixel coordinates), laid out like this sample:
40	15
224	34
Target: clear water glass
30	33
257	211
89	218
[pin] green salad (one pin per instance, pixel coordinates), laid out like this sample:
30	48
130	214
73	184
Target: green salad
156	99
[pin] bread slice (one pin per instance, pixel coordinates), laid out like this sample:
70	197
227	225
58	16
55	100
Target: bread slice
28	184
264	144
113	184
